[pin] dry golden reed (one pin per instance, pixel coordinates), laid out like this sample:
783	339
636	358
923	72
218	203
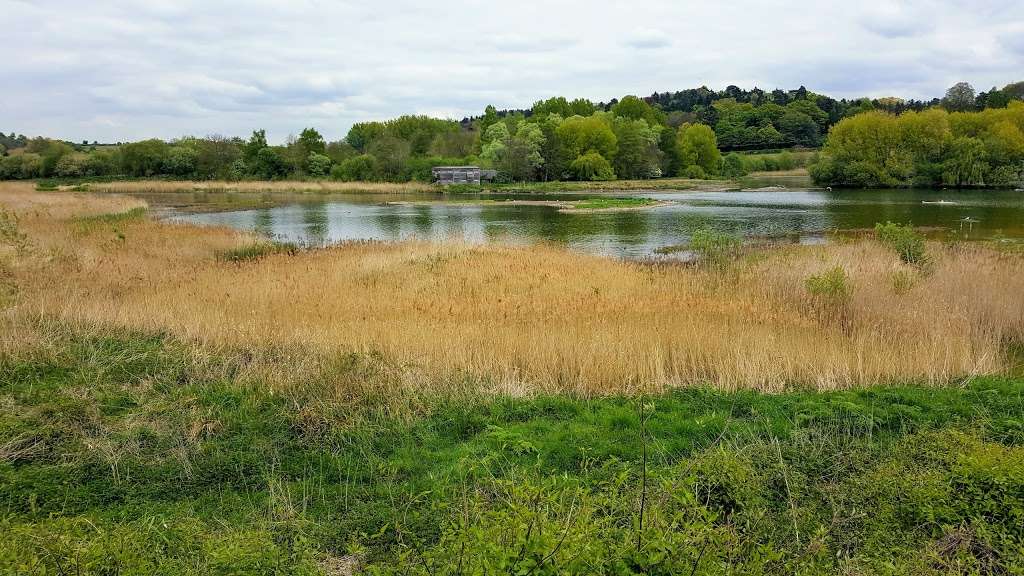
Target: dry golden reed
537	318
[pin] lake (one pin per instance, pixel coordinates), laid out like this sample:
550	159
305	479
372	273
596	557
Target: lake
805	216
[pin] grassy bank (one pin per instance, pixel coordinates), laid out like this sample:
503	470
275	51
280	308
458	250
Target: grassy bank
330	186
132	453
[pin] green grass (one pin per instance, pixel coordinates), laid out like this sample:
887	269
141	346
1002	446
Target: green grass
121	453
114	223
256	251
612	203
132	215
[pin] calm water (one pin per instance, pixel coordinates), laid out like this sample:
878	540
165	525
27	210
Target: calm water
799	215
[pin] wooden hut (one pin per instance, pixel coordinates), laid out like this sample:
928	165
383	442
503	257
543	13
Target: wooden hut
456	174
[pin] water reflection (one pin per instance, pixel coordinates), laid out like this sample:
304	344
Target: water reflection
314	216
264	223
800	215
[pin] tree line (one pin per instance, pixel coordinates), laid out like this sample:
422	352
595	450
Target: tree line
934	147
671	134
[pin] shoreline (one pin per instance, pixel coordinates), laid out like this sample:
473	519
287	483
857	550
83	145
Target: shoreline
564	206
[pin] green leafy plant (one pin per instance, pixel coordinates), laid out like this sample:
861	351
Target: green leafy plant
832	285
905	241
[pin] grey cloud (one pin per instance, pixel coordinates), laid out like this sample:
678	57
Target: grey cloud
119	69
648	38
528	44
1014	41
892	20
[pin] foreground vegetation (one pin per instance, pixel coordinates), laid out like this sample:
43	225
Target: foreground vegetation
181	400
134	453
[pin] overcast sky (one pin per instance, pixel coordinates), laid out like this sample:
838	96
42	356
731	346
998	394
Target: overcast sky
120	70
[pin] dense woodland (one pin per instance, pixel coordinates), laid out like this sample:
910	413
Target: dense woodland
929	148
966	138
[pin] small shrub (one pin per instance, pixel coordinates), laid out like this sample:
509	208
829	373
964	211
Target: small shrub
832	285
715	248
257	250
904	241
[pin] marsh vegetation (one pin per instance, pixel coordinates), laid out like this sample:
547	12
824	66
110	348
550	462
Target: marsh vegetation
451	408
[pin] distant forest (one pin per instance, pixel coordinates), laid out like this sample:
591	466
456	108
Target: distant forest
665	134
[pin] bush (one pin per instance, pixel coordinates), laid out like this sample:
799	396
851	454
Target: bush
592	166
180	161
695	172
237	170
318	164
72	165
732	166
904	240
143	159
754	163
785	161
21	167
832	285
271	163
360	168
101	163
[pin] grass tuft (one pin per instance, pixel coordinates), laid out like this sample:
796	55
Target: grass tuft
256	251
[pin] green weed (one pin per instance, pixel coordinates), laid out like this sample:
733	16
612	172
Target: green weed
256	251
906	242
832	286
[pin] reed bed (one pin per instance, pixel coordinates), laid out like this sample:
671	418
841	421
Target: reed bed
524	320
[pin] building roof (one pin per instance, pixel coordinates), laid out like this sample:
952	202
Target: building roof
456	168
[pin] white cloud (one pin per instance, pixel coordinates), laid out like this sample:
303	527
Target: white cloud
895	19
648	38
119	69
